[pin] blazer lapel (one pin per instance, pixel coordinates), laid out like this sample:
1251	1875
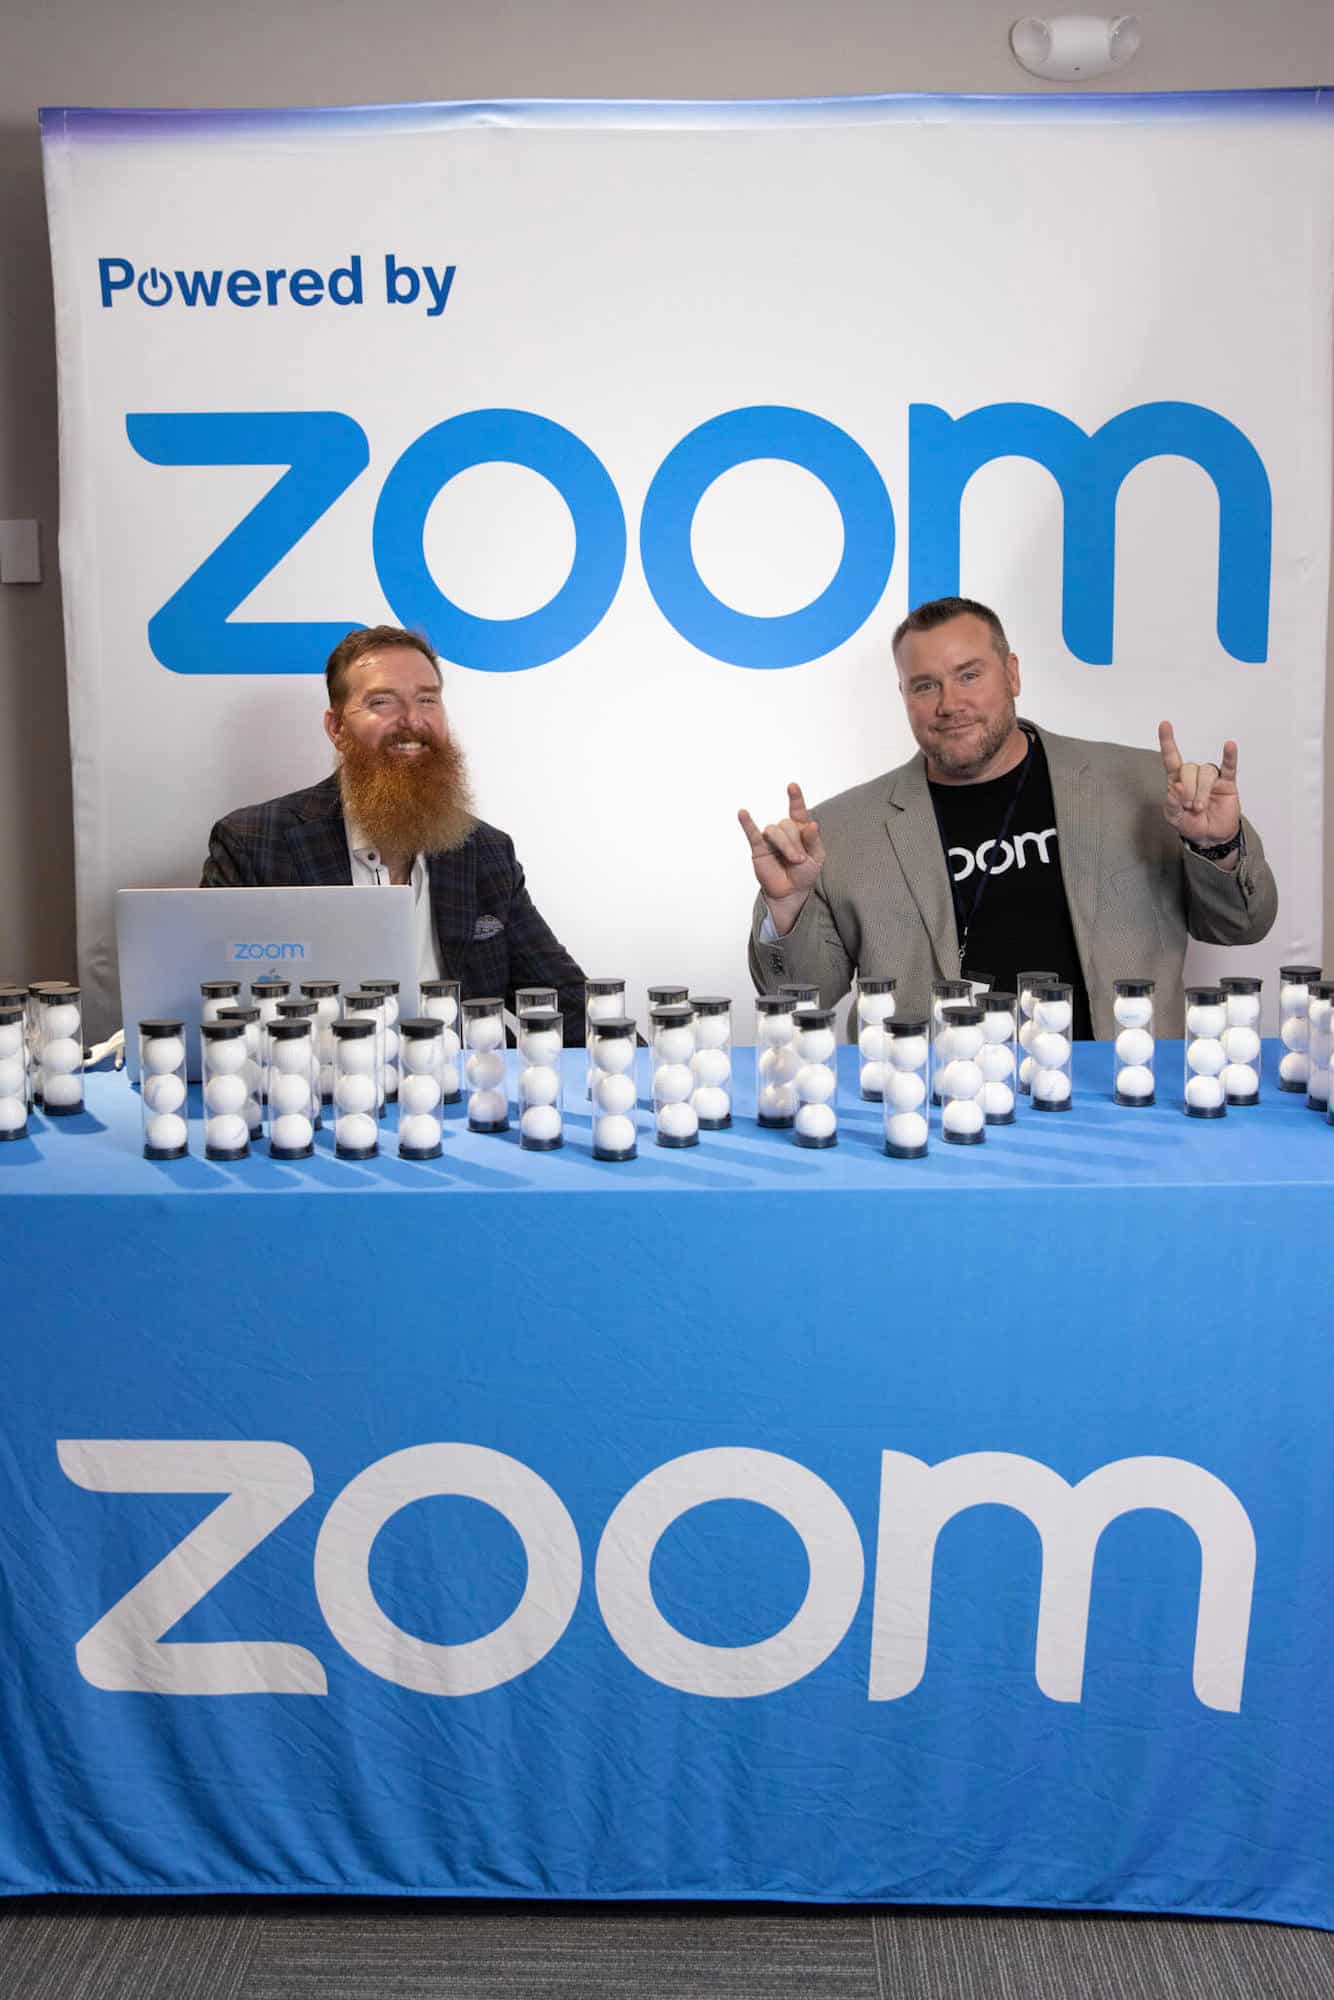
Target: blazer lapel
453	880
318	842
915	837
1078	832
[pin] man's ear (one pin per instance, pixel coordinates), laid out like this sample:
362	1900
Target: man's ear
1012	673
332	725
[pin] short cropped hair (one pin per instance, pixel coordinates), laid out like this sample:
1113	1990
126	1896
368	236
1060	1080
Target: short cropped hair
940	610
359	645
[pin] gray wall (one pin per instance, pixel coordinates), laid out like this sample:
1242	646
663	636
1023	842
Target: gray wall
265	52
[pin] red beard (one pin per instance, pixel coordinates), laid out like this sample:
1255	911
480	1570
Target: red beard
407	805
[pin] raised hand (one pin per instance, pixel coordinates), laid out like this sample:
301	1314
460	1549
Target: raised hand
1202	802
787	858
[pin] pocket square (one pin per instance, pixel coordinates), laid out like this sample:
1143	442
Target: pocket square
487	927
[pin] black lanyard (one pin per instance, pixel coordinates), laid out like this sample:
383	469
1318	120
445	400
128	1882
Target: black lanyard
984	875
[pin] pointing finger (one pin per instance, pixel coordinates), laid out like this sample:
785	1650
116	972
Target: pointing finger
1167	744
1227	770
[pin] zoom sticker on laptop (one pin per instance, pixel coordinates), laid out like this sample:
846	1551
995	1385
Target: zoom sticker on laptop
269	949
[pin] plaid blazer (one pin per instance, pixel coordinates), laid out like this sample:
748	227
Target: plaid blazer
491	936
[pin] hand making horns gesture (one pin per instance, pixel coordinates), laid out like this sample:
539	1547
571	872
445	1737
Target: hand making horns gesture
787	858
1201	802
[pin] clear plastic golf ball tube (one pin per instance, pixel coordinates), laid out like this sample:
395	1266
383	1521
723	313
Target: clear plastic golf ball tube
875	1006
252	1071
611	1051
907	1087
162	1090
944	993
711	1064
1294	993
356	1088
224	1088
1241	1040
309	1011
388	988
533	999
440	1002
667	996
776	1060
816	1080
13	1070
362	1005
1320	1043
32	1032
541	1086
672	1050
1051	1047
996	1059
324	992
962	1119
1133	1051
420	1128
1205	1057
265	993
800	995
604	1000
1028	983
60	1050
484	1064
215	994
292	1092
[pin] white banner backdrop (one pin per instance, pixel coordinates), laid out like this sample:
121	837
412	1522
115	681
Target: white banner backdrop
656	419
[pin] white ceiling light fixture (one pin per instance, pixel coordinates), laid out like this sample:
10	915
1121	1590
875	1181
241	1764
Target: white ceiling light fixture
1075	48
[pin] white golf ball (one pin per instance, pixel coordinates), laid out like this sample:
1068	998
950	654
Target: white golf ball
1242	1045
672	1083
1133	1010
710	1066
539	1084
962	1116
290	1133
1026	1034
450	1044
874	1008
484	1031
1240	1080
391	1045
996	1062
817	1121
419	1132
907	1052
906	1129
1243	1009
163	1053
1134	1045
871	1044
780	1065
1206	1056
13	1114
1294	1068
62	1090
1294	1032
326	1079
1054	1015
12	1075
815	1083
905	1089
1052	1086
1050	1051
1135	1081
943	1046
674	1045
326	1009
713	1031
540	1045
441	1007
960	1079
711	1103
419	1054
450	1080
486	1069
356	1055
998	1026
777	1100
291	1057
606	1006
417	1095
166	1132
288	1093
1026	1073
11	1038
391	1082
62	1020
324	1043
62	1056
815	1045
776	1029
614	1133
355	1131
165	1093
997	1100
391	1010
1207	1022
615	1094
1204	1093
355	1092
873	1078
614	1055
540	1123
253	1075
966	1042
226	1133
254	1116
487	1107
678	1121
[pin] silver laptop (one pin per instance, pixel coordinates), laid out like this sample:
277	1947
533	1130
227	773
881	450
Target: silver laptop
169	940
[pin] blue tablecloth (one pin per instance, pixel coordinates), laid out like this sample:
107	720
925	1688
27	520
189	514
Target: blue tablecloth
745	1522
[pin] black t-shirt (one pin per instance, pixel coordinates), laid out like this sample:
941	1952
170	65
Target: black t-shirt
1009	895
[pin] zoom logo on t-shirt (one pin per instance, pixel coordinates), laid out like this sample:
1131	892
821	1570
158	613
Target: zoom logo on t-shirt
1016	853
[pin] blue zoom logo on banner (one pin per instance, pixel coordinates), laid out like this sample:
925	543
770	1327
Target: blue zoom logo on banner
325	451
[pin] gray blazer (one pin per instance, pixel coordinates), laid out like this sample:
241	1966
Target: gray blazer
883	905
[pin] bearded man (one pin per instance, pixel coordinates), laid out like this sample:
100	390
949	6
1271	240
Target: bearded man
398	810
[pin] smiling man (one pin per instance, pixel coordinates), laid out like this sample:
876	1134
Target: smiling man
398	809
1003	846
